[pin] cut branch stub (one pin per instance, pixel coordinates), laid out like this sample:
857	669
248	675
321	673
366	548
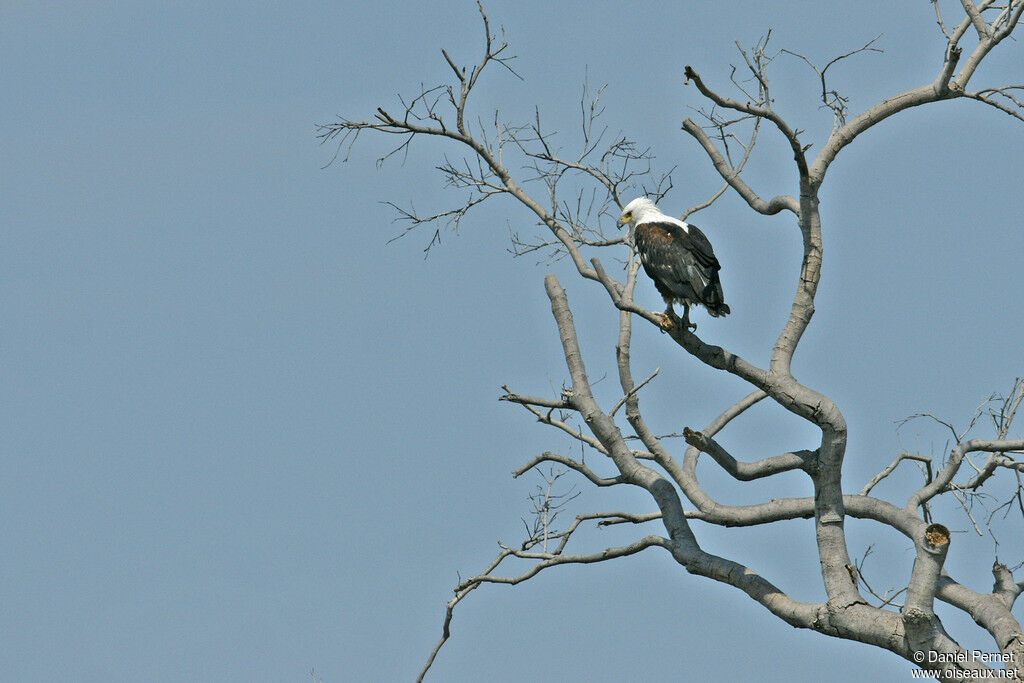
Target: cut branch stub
936	539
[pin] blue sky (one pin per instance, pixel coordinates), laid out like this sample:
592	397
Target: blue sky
245	437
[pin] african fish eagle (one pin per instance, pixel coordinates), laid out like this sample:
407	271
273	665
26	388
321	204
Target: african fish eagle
679	258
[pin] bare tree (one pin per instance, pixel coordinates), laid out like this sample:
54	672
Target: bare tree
576	198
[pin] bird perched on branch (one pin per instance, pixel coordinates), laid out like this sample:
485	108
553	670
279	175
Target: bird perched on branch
679	258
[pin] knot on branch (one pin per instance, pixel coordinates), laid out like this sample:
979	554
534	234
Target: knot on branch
831	517
920	630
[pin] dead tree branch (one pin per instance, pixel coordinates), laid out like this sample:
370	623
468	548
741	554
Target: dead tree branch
573	194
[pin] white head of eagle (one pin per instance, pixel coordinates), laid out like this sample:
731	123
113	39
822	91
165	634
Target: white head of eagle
678	257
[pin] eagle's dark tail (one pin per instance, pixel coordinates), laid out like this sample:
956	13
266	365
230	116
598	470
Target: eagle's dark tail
714	298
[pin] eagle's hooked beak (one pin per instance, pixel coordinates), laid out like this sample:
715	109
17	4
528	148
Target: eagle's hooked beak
623	221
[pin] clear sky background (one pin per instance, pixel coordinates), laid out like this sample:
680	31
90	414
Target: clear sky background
244	437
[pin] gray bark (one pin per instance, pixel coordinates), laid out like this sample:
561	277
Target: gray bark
912	631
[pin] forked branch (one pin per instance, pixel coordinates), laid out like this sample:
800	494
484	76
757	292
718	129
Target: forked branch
573	195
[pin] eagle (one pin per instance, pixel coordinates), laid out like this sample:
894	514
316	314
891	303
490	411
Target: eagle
679	258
